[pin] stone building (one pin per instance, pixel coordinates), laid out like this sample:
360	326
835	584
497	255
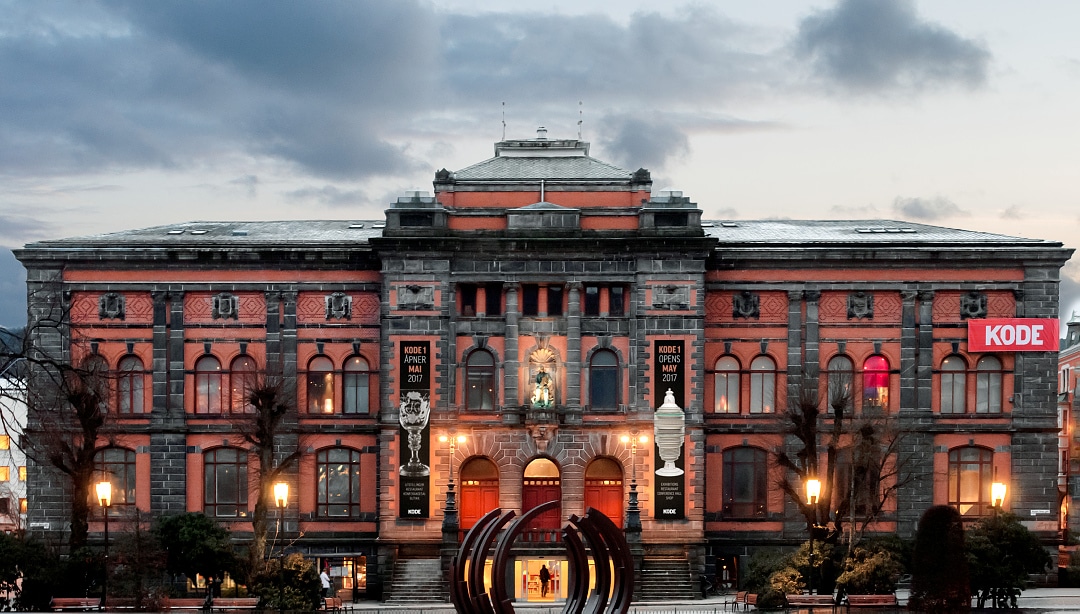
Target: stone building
546	327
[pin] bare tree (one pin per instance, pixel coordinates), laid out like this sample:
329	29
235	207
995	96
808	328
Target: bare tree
861	457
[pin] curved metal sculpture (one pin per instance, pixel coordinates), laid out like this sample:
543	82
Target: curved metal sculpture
605	542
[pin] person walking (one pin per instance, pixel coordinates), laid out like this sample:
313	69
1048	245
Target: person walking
545	577
325	579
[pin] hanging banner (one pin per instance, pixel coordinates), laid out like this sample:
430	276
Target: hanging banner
1013	335
414	371
669	430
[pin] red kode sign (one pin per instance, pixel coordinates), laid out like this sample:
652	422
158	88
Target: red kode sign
1013	335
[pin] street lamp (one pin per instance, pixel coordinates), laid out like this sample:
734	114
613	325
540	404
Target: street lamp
813	491
281	498
633	512
104	496
451	440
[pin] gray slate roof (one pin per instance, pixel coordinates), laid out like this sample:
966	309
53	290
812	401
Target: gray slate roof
549	169
302	233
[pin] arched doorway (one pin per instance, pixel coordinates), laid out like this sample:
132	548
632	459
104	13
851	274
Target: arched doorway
479	490
604	488
541	484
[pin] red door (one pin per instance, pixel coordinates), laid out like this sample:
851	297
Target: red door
479	490
604	488
541	490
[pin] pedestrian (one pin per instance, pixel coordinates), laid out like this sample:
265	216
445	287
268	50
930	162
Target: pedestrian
545	577
325	579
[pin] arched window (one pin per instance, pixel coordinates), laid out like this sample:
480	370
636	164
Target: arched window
876	383
953	385
745	487
480	380
839	385
357	384
762	385
225	483
129	385
243	380
320	386
117	466
970	475
988	385
338	483
726	386
95	378
208	388
604	380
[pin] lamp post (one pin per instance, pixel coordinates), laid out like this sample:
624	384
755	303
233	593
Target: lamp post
104	496
633	512
813	491
281	498
451	440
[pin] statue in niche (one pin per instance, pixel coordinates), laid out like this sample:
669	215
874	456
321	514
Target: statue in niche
543	395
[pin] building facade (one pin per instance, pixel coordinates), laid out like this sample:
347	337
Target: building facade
546	327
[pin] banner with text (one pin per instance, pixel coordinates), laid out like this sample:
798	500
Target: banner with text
414	472
1013	335
669	430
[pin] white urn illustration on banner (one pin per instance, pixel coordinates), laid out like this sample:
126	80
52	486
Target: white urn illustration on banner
414	411
669	430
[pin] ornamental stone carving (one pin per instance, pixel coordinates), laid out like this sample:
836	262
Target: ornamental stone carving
111	306
416	297
671	297
972	305
338	306
225	306
860	305
746	305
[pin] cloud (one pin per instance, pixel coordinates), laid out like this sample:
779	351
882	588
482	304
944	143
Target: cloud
12	291
17	228
639	142
926	209
884	46
854	212
1069	290
1013	212
328	195
249	182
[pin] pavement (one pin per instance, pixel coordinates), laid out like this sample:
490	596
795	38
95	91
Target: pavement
1031	601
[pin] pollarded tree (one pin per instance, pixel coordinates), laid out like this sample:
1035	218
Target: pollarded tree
196	545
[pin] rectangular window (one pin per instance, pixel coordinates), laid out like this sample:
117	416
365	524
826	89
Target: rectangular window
5	474
22	473
493	299
22	505
616	306
530	299
554	300
592	300
467	305
5	442
5	506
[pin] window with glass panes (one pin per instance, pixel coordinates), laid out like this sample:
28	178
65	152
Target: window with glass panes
225	482
338	483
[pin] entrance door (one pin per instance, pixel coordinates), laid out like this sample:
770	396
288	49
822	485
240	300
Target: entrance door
604	488
479	490
542	484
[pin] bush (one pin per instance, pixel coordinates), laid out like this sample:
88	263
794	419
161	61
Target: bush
760	567
869	572
297	587
1001	554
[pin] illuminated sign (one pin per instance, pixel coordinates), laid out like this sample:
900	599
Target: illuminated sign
1013	335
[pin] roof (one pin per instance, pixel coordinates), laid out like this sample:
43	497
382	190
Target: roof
802	232
501	168
313	233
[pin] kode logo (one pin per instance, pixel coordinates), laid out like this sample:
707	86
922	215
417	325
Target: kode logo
1013	335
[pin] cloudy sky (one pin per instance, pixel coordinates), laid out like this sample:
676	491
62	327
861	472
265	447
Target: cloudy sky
115	115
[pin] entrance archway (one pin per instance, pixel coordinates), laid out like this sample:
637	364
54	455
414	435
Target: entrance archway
541	483
479	490
604	488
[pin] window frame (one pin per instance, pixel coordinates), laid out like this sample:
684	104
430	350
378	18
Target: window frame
122	473
762	385
952	382
480	376
205	382
356	387
604	381
130	385
319	392
248	378
353	473
727	377
872	375
989	385
757	463
212	481
957	485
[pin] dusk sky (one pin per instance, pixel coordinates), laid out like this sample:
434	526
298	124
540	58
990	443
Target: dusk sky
119	115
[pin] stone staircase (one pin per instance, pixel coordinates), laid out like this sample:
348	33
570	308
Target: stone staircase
418	581
666	579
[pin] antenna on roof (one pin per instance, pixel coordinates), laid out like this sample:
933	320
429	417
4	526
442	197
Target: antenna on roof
504	119
579	120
